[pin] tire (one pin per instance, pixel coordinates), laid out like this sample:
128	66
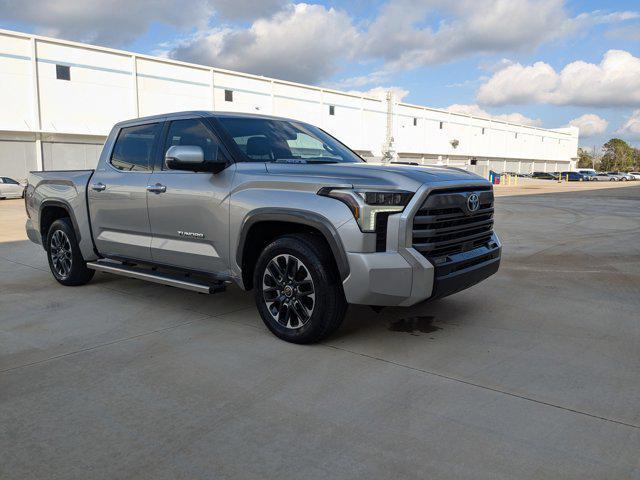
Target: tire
284	301
65	260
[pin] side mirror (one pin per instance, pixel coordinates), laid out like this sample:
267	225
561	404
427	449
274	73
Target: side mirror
191	158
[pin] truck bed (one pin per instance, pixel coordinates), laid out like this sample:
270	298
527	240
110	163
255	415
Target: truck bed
61	189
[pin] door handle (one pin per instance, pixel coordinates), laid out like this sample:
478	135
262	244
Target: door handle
157	188
98	187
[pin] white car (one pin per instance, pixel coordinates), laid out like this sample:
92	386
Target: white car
620	176
9	188
635	175
605	177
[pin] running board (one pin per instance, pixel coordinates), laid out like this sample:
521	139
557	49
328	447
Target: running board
155	277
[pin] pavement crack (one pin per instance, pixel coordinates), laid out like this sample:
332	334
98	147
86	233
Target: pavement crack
485	387
100	345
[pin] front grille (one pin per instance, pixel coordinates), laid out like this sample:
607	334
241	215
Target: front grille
444	225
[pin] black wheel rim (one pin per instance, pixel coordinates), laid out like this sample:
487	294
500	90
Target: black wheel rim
61	255
288	291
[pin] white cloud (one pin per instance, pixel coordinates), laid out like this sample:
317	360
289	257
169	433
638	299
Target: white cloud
589	124
304	43
627	32
471	27
615	81
309	42
476	111
381	92
118	22
631	127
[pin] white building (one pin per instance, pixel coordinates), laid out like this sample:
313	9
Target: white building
59	100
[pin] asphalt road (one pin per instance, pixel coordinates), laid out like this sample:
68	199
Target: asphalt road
534	373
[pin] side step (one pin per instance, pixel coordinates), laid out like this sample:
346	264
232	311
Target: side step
156	277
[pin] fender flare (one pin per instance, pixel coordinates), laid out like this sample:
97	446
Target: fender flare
311	219
61	204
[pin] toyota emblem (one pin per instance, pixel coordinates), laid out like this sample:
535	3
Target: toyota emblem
473	202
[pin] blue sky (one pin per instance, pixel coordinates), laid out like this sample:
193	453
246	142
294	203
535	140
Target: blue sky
543	62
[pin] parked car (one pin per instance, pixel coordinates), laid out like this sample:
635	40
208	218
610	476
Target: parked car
572	176
619	176
199	199
10	188
589	174
624	176
635	175
544	176
605	177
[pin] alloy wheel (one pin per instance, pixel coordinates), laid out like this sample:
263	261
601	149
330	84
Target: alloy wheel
288	290
61	254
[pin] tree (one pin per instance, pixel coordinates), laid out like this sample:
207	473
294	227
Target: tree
618	156
636	159
585	159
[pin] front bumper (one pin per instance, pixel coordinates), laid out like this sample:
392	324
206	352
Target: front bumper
402	276
465	270
395	279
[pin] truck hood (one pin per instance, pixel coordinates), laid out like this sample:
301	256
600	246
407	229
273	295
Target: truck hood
361	175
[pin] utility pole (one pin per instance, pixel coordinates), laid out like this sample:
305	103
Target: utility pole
388	151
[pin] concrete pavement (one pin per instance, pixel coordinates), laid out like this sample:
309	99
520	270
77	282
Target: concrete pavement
534	373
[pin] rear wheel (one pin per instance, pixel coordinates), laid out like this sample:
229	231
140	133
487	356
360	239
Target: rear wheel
65	260
298	290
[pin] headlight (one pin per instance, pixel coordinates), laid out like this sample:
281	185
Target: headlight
365	204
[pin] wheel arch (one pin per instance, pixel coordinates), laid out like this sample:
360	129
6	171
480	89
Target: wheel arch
263	225
52	210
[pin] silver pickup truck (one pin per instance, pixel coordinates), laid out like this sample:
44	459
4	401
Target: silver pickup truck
199	199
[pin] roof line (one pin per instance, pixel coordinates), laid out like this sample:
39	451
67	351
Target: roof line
171	61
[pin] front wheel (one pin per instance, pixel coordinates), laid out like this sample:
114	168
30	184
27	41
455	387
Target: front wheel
65	260
298	290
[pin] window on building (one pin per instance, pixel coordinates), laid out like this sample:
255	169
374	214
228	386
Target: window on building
332	110
516	134
228	95
63	72
415	121
134	147
542	139
474	161
483	131
441	125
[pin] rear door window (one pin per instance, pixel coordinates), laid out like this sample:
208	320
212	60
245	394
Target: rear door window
133	151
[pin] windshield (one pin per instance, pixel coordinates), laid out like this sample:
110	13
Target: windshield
267	140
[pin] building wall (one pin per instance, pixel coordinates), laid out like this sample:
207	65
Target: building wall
65	122
423	132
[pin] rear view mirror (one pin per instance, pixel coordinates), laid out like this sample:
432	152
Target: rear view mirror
191	158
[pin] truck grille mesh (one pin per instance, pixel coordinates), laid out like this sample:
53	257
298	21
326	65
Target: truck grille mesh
444	225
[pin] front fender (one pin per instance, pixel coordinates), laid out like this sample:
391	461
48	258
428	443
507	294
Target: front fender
303	217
